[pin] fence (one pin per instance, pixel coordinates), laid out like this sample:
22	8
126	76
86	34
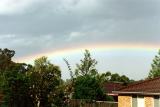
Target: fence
87	103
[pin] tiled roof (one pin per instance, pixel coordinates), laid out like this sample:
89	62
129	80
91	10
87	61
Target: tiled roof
146	86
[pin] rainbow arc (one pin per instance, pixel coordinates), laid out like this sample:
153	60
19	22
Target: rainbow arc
51	53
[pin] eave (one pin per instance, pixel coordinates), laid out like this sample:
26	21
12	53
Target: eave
135	93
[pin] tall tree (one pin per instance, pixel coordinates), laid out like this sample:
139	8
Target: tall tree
87	65
13	81
45	80
155	67
24	85
86	84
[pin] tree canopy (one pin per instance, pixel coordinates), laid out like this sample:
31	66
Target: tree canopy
5	58
86	65
115	77
86	84
155	67
41	85
25	85
45	80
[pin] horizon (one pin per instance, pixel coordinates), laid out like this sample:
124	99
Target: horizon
109	59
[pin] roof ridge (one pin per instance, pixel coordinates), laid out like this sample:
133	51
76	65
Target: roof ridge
139	82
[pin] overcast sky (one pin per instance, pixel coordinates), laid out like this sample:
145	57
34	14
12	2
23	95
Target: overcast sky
31	27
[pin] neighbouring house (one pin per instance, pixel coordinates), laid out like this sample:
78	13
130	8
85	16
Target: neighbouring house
112	86
140	94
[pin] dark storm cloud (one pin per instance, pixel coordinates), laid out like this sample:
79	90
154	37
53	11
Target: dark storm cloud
34	26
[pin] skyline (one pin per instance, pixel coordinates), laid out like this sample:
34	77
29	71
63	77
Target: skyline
110	59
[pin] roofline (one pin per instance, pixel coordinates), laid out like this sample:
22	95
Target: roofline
138	93
140	82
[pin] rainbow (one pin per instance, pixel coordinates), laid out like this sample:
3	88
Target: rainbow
92	47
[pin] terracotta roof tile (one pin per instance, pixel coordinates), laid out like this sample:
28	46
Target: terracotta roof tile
150	85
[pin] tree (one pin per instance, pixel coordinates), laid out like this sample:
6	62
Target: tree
45	80
16	88
115	77
155	67
86	84
88	87
5	58
87	65
24	85
13	81
5	61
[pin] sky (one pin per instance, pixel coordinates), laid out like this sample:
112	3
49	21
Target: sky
123	35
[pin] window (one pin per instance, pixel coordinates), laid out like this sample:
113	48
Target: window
156	101
134	101
138	101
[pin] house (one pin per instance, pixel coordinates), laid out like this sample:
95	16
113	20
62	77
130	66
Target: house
112	86
140	94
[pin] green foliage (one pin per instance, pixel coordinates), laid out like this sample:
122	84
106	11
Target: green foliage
14	82
109	77
45	80
87	65
41	85
88	87
17	87
30	86
5	59
155	67
86	84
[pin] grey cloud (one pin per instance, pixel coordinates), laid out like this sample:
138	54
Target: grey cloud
50	24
